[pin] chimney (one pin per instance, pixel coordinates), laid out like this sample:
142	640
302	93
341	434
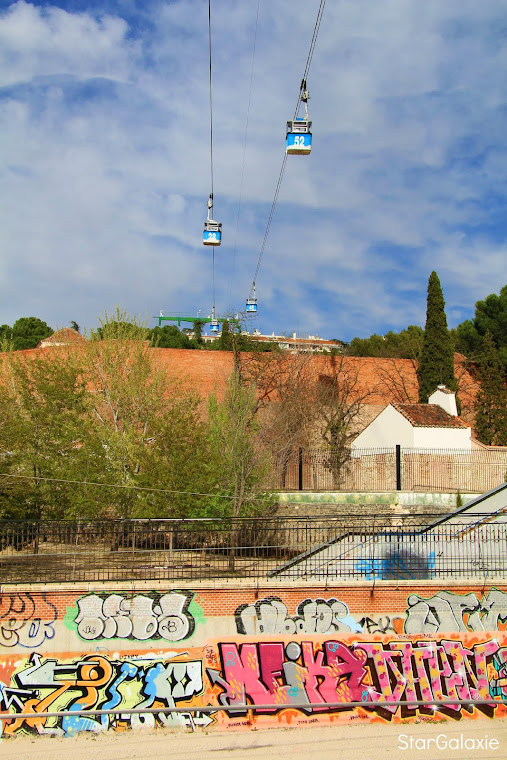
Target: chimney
444	398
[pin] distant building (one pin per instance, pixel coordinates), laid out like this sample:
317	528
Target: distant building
313	344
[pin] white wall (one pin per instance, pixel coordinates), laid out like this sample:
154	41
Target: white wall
446	400
387	429
442	438
390	428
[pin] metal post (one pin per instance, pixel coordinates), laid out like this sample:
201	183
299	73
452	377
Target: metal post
398	467
300	470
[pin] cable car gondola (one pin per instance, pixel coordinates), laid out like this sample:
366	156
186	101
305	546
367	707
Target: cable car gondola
214	326
299	130
212	234
251	303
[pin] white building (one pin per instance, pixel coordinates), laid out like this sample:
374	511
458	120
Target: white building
435	425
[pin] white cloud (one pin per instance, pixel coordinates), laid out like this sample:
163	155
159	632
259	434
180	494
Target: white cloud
105	160
37	42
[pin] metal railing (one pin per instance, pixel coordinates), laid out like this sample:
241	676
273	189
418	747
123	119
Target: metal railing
362	547
368	470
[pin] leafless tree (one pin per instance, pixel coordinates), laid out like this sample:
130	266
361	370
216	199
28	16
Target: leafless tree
397	380
340	396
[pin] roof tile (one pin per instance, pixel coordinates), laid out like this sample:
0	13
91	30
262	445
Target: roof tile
429	415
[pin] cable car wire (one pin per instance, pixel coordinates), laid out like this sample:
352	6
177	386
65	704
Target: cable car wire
210	98
244	148
302	89
210	201
314	39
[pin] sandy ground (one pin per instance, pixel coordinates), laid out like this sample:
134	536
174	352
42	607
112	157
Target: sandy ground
378	741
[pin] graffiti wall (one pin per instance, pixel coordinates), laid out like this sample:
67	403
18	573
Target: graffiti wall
280	681
136	616
272	656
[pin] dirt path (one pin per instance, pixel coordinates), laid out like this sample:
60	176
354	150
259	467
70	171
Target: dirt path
476	739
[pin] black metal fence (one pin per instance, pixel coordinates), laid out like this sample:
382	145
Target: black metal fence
356	548
366	470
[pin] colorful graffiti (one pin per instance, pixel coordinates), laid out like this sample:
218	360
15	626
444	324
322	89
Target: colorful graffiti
25	622
445	612
276	675
253	681
294	657
271	616
97	682
140	616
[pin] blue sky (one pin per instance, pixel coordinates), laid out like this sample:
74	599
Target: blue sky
105	167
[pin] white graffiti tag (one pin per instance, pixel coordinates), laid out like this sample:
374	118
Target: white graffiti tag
446	612
312	616
138	617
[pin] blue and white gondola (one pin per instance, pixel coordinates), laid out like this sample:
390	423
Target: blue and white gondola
298	141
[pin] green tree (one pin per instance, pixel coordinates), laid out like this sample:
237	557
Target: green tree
406	344
198	326
490	315
106	417
147	431
170	337
225	342
436	364
5	332
42	428
27	332
372	346
491	401
6	342
240	461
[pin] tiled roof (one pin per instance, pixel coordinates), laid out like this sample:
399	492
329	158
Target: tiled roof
62	337
429	415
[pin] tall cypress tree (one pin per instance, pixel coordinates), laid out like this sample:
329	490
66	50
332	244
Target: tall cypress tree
436	363
491	402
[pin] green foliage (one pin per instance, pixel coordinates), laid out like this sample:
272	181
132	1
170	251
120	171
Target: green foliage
106	419
170	337
146	430
467	338
227	337
6	342
491	401
372	346
5	332
436	365
41	429
26	333
198	326
490	316
406	344
241	464
120	326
